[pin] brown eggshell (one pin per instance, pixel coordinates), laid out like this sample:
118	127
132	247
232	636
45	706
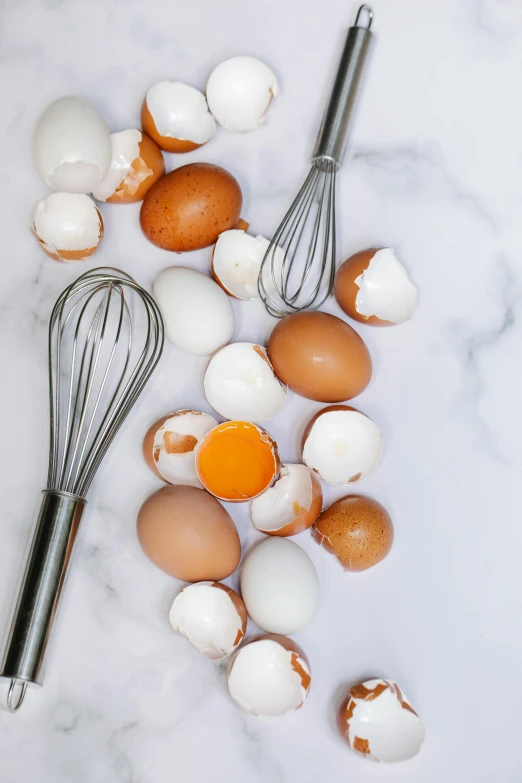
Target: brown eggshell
190	207
73	255
357	530
346	289
145	170
240	607
188	534
166	143
319	356
306	517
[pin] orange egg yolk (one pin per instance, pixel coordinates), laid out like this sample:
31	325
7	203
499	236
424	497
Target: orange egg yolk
236	461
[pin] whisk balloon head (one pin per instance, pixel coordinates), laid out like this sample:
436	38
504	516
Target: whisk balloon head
298	269
105	339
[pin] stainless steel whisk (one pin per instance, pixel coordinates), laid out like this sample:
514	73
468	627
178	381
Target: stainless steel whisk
307	231
105	339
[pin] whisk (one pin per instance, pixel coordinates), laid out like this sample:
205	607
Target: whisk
307	231
105	339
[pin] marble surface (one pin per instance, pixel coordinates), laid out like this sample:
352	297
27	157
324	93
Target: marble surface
434	171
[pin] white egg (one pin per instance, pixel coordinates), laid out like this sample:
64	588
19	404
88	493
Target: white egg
342	445
211	616
180	112
240	383
269	676
69	226
378	721
237	259
72	146
279	586
197	313
239	93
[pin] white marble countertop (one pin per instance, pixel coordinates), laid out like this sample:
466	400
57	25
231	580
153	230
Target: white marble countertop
435	172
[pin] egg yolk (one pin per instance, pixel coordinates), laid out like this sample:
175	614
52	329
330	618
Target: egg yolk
236	461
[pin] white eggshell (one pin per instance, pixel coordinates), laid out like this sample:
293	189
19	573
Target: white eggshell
239	93
385	290
240	383
280	586
72	146
180	111
208	617
198	315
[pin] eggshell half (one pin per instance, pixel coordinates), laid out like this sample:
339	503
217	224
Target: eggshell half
68	226
176	116
291	505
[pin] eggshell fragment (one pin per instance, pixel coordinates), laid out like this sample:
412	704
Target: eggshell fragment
373	287
240	383
377	721
270	676
280	586
239	92
236	262
212	616
237	461
197	313
341	445
320	357
291	505
137	163
188	534
171	443
72	146
69	226
357	530
176	116
190	207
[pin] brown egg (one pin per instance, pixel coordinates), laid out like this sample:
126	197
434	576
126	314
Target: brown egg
346	289
357	530
145	170
188	534
166	143
320	357
190	207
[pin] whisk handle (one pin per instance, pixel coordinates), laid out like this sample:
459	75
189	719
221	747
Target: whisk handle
332	136
42	584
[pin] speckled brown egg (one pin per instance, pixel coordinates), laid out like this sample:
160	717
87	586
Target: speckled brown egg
319	356
190	207
188	534
357	530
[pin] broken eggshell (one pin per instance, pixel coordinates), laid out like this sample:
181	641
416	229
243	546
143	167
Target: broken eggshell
239	92
69	226
240	383
236	263
377	721
170	445
176	116
373	287
212	616
270	676
291	505
357	530
137	163
341	445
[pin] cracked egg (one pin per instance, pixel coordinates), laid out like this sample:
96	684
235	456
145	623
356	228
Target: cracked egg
137	163
170	445
237	460
291	505
270	676
176	116
68	226
212	616
377	721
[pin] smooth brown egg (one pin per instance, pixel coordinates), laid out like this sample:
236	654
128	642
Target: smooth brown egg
357	530
188	534
190	207
346	289
320	357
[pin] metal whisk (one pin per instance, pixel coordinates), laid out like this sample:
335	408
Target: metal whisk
105	339
298	269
